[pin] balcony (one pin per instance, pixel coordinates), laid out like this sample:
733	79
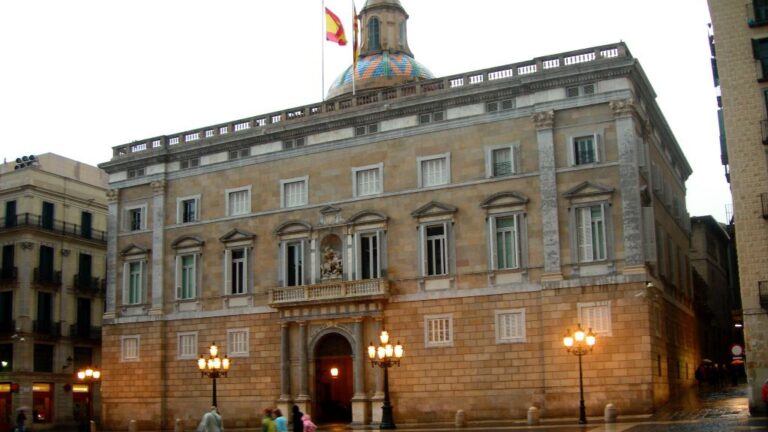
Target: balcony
69	229
9	274
46	276
7	327
48	329
82	332
330	292
90	285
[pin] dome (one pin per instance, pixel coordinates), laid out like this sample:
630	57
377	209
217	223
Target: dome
380	70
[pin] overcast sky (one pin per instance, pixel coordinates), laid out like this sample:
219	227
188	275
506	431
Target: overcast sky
78	77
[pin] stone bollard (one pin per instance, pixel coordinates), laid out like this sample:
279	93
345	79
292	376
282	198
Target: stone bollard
533	415
610	413
178	426
461	419
132	426
92	425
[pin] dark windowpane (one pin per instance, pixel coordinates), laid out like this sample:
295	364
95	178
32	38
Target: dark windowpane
44	307
6	311
43	361
6	357
373	34
86	224
83	358
47	219
83	316
10	214
46	264
8	271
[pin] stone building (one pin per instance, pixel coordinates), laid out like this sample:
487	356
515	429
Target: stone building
52	280
476	217
741	41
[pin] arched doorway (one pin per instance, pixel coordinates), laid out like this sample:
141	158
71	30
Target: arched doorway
333	395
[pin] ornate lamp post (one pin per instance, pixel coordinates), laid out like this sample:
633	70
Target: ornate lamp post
213	367
88	376
386	356
580	344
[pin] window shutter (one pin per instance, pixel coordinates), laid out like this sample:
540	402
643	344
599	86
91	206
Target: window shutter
599	151
282	262
144	279
126	281
195	275
378	254
584	231
492	253
448	247
516	162
571	149
423	249
246	271
178	270
227	261
306	267
756	48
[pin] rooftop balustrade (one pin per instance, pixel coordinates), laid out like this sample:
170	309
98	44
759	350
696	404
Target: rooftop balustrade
534	67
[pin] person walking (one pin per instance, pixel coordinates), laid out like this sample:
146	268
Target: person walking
281	423
21	419
308	425
211	422
267	423
298	423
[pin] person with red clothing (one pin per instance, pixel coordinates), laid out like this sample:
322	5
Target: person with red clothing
765	394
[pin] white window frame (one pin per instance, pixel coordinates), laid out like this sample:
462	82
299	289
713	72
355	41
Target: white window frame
379	236
420	171
180	208
303	244
125	354
228	193
585	253
127	281
228	270
445	249
514	155
304	198
379	169
597	146
180	275
518	239
231	346
600	329
500	317
184	352
428	327
142	208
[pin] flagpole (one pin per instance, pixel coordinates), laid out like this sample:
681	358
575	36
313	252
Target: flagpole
322	50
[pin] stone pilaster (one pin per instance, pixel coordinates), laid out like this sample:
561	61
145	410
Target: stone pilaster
545	123
113	210
378	396
303	399
285	362
158	250
359	400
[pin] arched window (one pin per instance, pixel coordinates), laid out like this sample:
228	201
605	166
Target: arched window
373	34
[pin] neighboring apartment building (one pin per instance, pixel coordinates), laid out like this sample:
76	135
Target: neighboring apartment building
741	43
476	217
53	237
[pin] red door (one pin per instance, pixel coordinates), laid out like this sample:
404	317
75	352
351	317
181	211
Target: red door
6	412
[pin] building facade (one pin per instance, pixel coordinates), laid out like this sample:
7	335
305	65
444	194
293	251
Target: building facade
476	217
741	42
53	235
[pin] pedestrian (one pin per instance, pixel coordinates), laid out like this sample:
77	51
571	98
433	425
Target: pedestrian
765	394
296	415
308	425
211	421
267	423
281	423
21	419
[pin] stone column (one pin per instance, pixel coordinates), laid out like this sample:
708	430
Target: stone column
303	399
284	403
112	229
360	403
158	250
378	396
545	122
629	181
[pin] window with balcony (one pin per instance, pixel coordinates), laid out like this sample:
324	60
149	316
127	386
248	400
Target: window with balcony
434	170
758	13
237	271
238	201
10	214
8	270
293	192
83	357
6	357
367	180
7	325
435	249
84	279
86	224
294	263
82	327
188	209
45	272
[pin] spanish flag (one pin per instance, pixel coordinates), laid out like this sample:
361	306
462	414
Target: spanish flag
334	31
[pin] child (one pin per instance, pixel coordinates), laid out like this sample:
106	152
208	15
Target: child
308	425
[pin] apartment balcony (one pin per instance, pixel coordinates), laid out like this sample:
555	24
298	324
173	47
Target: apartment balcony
46	277
9	274
89	285
87	333
48	329
7	327
330	292
29	220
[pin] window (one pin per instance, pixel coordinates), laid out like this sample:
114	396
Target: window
760	52
436	245
294	260
10	214
366	180
135	219
366	129
186	345
238	201
575	91
43	361
188	209
8	269
294	192
510	326
137	172
133	281
596	316
237	154
293	143
438	330
129	348
237	342
436	116
585	150
46	221
760	8
6	357
434	170
43	401
590	233
189	163
403	35
374	43
45	271
501	160
186	277
502	105
86	224
506	241
237	274
369	266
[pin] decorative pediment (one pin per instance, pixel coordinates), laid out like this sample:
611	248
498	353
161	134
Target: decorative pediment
132	249
434	208
329	210
367	216
504	199
236	235
293	227
588	189
187	242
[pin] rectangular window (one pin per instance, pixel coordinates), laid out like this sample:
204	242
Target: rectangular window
238	201
6	357
431	117
590	233
760	8
294	193
186	281
188	210
293	143
45	270
237	154
366	129
367	181
436	250
10	214
238	274
434	171
186	346
129	348
86	224
760	51
369	256
507	242
585	150
596	316
46	221
294	252
438	330
138	172
237	342
510	326
43	361
135	220
501	160
134	282
189	163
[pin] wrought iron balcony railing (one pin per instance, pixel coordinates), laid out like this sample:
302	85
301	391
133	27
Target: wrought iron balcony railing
56	226
9	274
79	331
89	284
46	328
330	292
7	327
46	276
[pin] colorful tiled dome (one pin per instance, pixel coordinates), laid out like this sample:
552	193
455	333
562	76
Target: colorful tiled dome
380	70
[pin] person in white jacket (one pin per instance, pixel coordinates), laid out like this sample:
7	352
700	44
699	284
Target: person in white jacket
211	422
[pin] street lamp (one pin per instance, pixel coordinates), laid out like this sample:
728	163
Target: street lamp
88	376
213	367
385	356
580	344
